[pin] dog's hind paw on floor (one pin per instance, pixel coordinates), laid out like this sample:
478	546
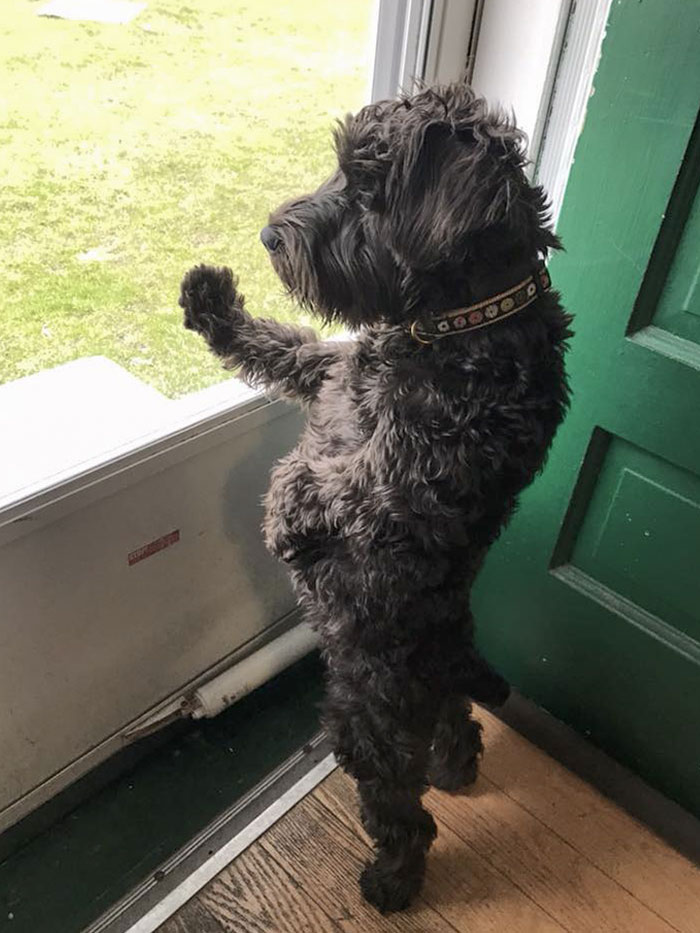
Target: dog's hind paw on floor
454	777
387	890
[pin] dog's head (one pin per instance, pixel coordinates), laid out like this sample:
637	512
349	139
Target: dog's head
429	191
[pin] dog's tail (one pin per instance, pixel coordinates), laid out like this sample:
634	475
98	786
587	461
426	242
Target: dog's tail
482	683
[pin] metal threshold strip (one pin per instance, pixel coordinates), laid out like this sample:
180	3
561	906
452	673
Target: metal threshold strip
178	879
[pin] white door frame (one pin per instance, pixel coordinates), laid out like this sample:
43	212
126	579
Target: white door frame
571	88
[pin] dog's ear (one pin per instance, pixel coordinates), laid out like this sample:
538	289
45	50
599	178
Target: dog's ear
364	156
457	179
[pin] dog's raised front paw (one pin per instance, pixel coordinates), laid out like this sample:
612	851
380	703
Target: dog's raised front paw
211	303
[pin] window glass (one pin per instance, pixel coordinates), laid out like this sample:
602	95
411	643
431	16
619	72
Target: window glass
130	151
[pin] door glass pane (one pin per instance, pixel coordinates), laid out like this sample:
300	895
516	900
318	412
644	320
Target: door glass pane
132	150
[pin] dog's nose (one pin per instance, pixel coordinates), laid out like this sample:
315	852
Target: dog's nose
270	238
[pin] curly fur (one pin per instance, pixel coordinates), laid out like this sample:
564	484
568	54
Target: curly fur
413	456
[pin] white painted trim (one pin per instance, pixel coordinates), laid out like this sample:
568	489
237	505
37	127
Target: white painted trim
557	45
194	883
413	46
516	57
448	40
400	47
387	49
420	40
571	91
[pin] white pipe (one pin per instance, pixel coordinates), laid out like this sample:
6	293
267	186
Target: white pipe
214	696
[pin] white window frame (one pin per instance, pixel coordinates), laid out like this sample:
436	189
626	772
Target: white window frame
421	40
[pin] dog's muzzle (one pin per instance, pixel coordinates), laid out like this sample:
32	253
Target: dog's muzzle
270	239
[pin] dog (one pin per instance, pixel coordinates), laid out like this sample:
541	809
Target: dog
428	243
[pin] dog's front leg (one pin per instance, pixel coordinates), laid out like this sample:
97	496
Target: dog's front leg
273	356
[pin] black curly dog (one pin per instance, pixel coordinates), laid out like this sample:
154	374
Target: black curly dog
415	450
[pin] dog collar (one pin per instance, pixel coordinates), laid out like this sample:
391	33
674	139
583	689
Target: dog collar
489	311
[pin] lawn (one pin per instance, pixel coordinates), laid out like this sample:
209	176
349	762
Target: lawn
128	153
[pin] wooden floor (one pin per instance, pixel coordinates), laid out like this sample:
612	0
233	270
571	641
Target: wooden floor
530	849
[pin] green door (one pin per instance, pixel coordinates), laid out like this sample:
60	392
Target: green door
590	602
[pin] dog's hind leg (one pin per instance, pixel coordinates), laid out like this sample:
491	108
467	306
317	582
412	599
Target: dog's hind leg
454	756
381	722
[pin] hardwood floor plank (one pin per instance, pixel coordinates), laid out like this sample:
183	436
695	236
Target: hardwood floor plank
192	917
555	875
611	839
325	858
255	895
463	887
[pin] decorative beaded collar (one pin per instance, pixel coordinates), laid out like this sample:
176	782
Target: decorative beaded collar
485	312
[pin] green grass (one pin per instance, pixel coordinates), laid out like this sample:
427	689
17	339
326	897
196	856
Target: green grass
128	153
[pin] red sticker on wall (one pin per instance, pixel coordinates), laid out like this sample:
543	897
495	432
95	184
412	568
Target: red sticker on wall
148	550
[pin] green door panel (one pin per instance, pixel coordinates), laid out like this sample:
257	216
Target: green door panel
590	602
637	533
678	308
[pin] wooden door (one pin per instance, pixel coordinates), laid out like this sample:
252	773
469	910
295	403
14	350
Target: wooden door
590	602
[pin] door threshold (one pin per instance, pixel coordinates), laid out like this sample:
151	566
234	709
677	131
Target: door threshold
178	879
